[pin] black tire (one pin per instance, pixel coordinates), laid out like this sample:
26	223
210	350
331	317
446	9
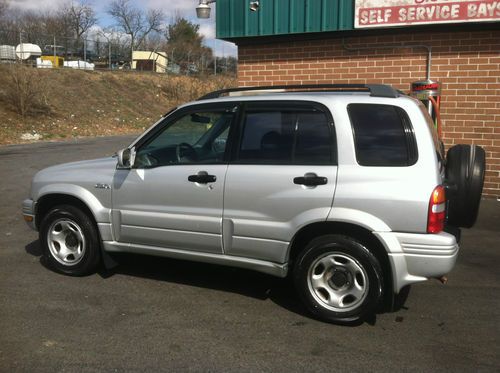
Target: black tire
353	267
70	241
465	168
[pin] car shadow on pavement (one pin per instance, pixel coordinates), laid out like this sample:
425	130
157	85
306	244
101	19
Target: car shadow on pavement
211	276
34	248
235	280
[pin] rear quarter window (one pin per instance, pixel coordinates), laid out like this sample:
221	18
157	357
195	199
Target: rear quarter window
383	135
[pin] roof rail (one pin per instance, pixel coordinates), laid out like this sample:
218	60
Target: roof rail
376	90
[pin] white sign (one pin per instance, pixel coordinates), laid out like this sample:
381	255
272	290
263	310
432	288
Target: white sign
387	13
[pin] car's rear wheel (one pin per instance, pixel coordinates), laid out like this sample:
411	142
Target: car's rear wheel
338	279
465	168
70	241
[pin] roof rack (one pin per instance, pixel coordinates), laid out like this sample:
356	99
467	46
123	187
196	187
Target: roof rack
376	90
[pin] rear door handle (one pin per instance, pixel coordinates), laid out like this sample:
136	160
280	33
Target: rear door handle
202	178
310	179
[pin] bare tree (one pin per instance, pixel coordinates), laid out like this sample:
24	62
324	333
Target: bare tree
74	20
80	16
3	7
116	44
6	24
26	92
134	22
32	25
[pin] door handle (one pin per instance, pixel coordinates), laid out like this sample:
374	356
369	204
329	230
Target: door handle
310	179
202	177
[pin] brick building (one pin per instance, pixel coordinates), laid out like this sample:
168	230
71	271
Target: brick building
295	42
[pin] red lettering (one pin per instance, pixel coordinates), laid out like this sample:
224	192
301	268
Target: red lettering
430	11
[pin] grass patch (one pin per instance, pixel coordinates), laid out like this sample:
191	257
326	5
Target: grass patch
74	103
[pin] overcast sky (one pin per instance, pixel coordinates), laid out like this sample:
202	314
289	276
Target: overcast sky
186	8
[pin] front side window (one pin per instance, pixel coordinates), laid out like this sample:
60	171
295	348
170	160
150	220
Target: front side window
197	137
285	137
383	135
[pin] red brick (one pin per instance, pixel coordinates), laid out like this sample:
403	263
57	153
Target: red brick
467	63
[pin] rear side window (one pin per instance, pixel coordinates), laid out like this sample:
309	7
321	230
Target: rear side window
313	143
383	135
287	136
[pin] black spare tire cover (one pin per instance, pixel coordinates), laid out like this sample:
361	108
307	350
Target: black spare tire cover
465	166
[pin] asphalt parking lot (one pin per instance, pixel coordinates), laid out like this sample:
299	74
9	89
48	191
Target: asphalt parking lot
153	314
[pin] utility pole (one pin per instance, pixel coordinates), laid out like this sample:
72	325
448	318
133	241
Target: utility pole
108	38
188	64
21	45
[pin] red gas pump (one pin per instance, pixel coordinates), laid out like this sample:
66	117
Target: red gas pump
429	92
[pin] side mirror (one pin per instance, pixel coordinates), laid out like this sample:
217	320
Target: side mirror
219	145
126	158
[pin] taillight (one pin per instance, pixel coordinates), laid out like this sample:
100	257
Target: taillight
437	210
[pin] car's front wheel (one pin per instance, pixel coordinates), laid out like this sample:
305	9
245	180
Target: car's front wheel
70	241
338	279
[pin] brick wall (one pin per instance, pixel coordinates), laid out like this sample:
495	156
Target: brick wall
467	63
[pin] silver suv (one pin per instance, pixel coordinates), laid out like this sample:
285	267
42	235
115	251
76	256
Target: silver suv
345	188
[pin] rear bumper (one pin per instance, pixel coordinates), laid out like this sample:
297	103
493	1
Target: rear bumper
29	213
418	257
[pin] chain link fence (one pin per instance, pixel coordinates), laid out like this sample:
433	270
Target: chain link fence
103	51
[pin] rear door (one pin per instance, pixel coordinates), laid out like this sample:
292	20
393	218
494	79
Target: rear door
282	176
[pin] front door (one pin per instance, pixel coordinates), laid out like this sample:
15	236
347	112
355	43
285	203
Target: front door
172	197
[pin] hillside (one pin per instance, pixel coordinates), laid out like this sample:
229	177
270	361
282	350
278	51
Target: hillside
60	104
